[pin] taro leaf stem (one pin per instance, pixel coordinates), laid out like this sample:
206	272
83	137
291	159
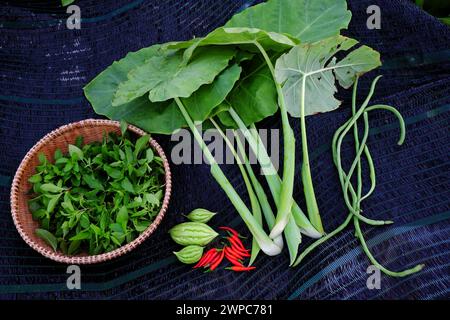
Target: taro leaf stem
265	243
292	231
256	208
287	185
308	187
272	178
259	190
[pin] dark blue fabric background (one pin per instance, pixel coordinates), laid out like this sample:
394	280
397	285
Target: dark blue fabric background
43	67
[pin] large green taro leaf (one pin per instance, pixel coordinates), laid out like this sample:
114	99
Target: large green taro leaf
306	20
254	97
316	65
245	38
201	103
100	92
161	117
164	77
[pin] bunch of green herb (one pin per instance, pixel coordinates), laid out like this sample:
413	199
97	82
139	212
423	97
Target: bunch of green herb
98	196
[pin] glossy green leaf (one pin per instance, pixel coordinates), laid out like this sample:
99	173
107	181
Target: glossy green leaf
39	214
164	77
149	155
84	221
115	227
42	158
73	247
254	97
92	182
242	37
122	216
75	151
127	185
96	229
67	2
157	118
151	198
306	20
318	65
50	187
53	201
141	226
48	237
201	103
141	143
35	178
81	236
161	117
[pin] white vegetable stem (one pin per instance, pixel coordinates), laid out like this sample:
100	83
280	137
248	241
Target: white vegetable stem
308	187
273	180
287	185
265	243
254	202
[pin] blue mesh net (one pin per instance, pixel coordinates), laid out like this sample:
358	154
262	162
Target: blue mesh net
43	67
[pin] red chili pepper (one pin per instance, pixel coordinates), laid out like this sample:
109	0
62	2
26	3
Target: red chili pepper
239	241
236	242
206	257
213	259
210	258
237	249
239	269
234	232
216	263
236	255
233	260
239	252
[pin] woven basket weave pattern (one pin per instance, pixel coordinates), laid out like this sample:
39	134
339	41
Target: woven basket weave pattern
92	130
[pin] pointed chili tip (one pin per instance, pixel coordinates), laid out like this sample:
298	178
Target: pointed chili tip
239	269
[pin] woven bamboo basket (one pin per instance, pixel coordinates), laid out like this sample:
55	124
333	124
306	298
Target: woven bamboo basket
92	130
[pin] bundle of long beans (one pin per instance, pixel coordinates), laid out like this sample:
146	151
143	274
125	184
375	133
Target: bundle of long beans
353	195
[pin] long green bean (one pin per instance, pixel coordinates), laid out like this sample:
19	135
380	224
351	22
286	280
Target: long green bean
372	259
345	178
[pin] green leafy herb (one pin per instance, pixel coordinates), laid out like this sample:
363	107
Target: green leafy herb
89	198
47	237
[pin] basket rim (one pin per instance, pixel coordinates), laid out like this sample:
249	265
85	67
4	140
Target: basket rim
89	259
